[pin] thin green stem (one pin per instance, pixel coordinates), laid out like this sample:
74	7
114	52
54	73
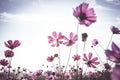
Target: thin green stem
84	46
77	50
68	59
101	46
59	58
53	66
109	44
110	41
10	60
86	70
98	56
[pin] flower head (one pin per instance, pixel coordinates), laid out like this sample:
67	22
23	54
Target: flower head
90	62
37	73
84	15
4	62
115	30
114	54
107	66
71	40
68	76
94	42
12	44
55	39
84	37
50	58
76	57
9	53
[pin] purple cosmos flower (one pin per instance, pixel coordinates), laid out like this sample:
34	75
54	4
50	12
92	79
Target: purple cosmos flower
9	53
84	15
38	73
71	40
55	39
12	44
76	57
89	61
94	42
51	77
107	66
50	58
4	62
114	54
116	73
68	76
115	30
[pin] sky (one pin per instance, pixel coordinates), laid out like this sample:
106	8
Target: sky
32	21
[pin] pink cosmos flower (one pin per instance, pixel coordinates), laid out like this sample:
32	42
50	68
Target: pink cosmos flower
4	62
90	62
50	58
72	39
55	39
68	76
76	57
84	15
12	44
94	42
9	53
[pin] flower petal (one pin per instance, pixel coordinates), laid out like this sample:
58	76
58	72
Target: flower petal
84	7
115	48
71	36
75	38
93	66
94	59
90	56
54	34
85	58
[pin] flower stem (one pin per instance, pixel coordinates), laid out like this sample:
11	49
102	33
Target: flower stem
110	41
83	53
53	66
109	44
59	58
68	59
10	60
101	46
77	51
98	56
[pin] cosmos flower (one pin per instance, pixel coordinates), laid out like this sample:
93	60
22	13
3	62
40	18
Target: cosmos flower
4	62
50	58
71	40
94	42
90	62
68	76
84	37
115	30
51	77
114	54
9	53
76	57
55	39
38	73
85	15
12	44
107	66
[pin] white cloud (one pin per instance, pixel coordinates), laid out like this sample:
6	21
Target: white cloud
114	2
118	20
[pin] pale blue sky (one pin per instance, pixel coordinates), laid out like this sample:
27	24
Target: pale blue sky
31	21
